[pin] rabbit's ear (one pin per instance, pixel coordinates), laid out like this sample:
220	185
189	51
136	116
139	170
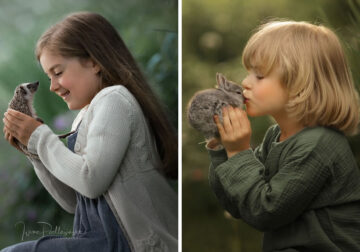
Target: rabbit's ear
221	80
223	83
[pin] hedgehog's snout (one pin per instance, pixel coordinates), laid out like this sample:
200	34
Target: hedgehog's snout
33	86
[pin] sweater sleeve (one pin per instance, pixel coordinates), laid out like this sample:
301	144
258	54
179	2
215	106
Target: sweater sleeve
64	195
108	137
242	188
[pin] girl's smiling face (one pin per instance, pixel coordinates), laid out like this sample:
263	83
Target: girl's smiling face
264	95
76	81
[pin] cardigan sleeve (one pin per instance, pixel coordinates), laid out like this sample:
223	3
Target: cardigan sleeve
64	195
242	189
108	137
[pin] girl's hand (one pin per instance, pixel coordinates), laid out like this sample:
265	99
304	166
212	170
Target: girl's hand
19	125
10	139
235	132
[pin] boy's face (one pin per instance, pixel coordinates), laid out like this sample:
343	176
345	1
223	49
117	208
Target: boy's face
77	82
264	95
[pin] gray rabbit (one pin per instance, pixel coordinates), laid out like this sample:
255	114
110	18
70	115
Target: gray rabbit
206	103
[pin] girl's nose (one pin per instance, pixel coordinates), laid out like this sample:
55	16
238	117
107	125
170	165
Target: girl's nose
53	85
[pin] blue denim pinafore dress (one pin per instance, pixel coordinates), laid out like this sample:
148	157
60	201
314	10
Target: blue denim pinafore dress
95	228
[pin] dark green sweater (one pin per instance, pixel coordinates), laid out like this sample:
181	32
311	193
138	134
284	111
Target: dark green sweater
303	193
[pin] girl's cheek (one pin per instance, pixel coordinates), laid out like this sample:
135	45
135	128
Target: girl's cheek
64	83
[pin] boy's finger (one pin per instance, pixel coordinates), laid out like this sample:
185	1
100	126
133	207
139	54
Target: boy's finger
234	118
239	118
245	119
226	120
219	125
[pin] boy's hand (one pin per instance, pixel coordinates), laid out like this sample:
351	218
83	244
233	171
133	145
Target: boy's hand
235	132
213	143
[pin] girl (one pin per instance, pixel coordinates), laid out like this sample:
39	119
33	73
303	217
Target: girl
301	185
113	173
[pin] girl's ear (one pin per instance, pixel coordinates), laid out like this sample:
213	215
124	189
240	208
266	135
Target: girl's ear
92	64
95	66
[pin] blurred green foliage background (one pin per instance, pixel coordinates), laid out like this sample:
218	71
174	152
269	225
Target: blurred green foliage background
214	34
150	30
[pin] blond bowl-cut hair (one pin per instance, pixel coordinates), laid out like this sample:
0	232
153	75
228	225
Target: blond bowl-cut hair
313	70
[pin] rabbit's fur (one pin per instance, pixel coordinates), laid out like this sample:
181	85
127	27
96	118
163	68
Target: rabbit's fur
206	103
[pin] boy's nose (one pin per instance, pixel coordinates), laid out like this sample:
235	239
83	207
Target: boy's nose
245	83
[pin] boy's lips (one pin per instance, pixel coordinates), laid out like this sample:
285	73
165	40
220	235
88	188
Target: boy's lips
245	96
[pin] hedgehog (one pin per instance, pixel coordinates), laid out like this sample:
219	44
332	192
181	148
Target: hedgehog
22	101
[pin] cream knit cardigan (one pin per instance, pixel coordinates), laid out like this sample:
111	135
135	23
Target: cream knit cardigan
115	156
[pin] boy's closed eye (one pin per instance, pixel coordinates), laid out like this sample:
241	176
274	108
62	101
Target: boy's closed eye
255	71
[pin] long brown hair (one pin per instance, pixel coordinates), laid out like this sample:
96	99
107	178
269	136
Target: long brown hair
89	35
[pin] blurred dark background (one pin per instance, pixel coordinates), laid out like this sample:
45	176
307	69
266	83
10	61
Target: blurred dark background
214	34
150	30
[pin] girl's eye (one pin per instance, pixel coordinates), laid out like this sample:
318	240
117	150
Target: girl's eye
259	77
58	74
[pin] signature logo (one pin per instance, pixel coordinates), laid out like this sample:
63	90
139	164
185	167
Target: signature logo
44	229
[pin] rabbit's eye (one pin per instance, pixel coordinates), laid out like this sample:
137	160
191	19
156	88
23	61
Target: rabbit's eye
239	92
